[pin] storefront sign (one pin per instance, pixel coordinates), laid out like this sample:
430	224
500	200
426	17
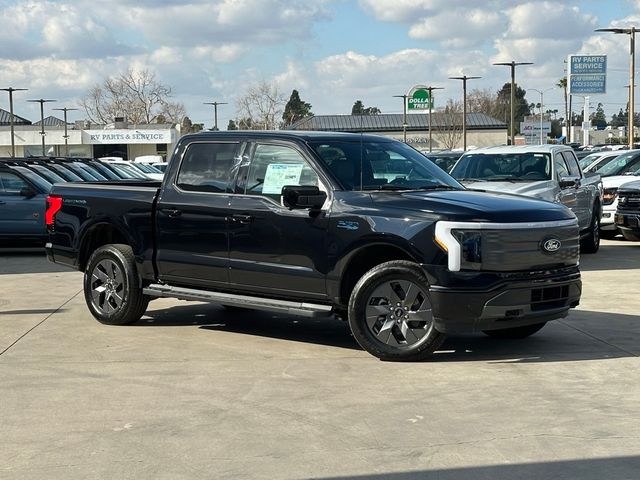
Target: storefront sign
126	136
419	99
587	74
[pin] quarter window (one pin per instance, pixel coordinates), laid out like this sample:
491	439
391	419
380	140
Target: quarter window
572	163
273	167
206	167
11	184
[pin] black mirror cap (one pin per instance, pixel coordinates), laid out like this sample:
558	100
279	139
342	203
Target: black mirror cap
567	182
28	192
303	196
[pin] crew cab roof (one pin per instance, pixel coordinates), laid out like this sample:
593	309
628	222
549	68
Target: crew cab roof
288	135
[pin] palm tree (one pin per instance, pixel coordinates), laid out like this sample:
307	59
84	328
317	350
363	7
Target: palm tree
562	83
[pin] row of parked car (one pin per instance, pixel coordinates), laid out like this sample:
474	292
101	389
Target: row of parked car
25	183
511	169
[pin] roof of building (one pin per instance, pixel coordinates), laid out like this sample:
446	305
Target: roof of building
51	121
5	119
386	122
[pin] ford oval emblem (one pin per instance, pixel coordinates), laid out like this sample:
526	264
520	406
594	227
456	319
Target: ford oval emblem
551	245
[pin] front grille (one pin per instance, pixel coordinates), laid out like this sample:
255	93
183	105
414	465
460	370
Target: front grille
549	298
629	201
511	250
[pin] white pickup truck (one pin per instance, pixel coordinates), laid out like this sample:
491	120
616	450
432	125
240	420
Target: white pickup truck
546	172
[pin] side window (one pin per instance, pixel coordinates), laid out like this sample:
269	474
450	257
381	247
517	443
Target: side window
274	166
206	166
572	163
11	184
561	167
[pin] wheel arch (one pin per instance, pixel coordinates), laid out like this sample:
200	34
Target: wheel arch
98	235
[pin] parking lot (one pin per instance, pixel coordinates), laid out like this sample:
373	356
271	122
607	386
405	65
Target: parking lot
196	391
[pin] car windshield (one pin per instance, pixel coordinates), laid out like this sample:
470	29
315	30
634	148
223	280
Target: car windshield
524	167
371	165
66	173
588	160
145	168
601	162
134	172
49	175
620	165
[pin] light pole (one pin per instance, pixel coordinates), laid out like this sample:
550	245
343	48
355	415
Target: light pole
632	75
513	64
541	92
430	89
464	79
42	101
215	112
66	137
11	120
404	116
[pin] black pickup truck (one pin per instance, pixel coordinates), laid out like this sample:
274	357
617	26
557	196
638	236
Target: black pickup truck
318	224
627	216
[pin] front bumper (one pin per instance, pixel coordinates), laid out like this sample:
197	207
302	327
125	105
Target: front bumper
511	299
608	214
628	221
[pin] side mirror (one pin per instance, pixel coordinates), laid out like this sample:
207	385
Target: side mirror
27	192
566	182
298	196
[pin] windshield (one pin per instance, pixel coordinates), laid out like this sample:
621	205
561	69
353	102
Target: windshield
103	170
145	168
66	173
588	160
132	171
381	166
524	167
620	165
50	176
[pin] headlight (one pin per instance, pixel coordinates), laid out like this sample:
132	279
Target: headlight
609	195
463	247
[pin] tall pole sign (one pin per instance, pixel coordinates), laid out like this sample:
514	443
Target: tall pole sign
587	76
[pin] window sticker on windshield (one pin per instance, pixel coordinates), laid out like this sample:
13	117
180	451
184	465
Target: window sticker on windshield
280	174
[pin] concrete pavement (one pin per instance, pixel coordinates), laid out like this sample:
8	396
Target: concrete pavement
195	391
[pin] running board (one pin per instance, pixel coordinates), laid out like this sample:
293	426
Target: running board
258	303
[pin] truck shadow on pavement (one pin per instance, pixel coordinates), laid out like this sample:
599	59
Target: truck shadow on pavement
613	468
622	256
587	336
14	262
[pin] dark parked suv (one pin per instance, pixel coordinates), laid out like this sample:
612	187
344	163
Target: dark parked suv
318	224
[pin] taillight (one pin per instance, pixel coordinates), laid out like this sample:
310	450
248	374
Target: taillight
54	204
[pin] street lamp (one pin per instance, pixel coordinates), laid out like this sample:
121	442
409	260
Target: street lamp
215	112
513	65
11	119
632	76
42	101
404	116
541	92
430	90
464	79
66	137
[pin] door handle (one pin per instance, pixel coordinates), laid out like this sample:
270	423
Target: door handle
172	213
242	218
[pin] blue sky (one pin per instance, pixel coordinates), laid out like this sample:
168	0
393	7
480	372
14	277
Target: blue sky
333	51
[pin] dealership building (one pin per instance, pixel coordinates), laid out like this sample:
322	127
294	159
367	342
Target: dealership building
85	139
446	129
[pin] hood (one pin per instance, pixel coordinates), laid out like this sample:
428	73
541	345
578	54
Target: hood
542	189
617	180
469	205
635	185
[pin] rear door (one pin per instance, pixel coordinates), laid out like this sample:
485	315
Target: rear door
19	215
275	250
191	219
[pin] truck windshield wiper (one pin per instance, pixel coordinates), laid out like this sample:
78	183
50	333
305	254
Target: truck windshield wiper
436	187
470	179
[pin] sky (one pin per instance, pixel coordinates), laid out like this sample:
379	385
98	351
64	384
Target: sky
333	52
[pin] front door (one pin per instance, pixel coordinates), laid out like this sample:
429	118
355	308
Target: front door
274	250
192	236
20	216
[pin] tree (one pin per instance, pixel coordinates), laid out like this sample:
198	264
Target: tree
359	109
448	132
521	106
482	101
295	109
259	107
562	83
135	95
598	118
232	125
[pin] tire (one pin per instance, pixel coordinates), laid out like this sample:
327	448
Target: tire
390	313
591	243
631	236
111	286
515	332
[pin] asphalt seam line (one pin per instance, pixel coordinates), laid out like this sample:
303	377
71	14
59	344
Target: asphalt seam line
563	322
39	323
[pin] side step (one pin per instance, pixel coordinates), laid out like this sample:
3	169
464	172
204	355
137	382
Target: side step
258	303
